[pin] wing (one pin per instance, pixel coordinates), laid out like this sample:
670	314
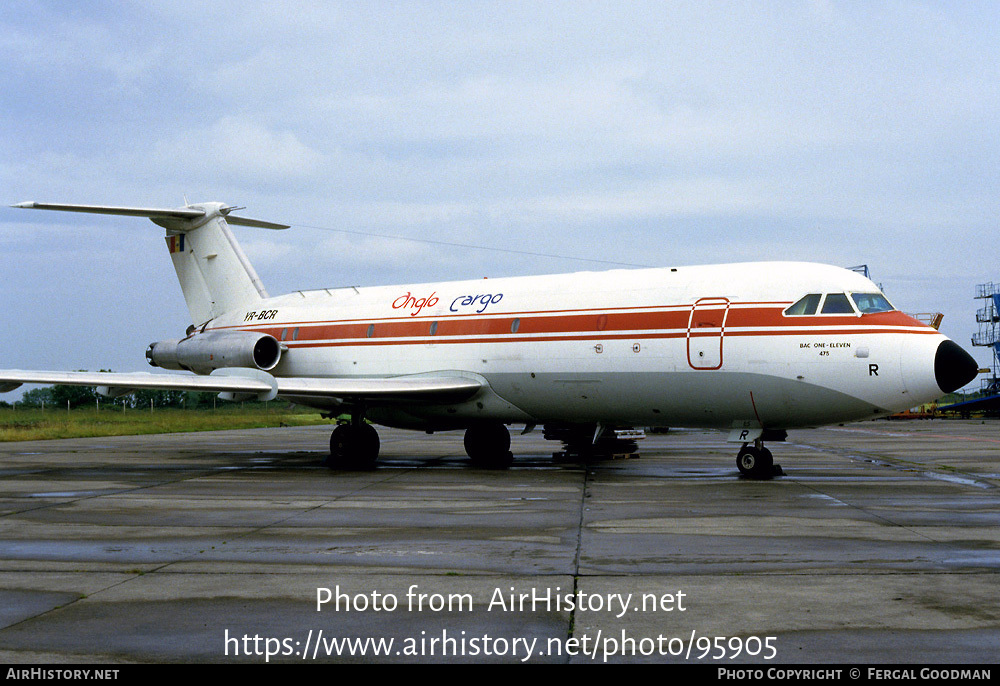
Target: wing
113	384
433	388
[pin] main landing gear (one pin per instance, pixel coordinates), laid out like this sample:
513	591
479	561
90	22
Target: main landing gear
488	445
353	446
756	462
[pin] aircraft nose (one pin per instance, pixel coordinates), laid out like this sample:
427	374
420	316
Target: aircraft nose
953	367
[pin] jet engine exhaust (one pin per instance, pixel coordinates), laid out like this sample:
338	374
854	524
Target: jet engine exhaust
203	353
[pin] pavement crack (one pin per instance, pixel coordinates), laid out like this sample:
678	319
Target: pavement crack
584	493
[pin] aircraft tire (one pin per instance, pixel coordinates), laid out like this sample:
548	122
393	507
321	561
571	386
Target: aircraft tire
755	463
488	446
354	446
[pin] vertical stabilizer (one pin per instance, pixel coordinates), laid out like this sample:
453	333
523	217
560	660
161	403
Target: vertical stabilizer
214	272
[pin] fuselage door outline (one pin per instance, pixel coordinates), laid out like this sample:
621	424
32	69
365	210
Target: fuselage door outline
705	331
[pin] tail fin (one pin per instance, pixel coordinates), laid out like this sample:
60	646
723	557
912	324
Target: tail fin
214	273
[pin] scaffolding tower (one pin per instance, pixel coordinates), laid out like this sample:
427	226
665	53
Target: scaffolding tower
988	335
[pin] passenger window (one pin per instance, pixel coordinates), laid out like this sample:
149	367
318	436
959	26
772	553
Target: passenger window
837	303
806	305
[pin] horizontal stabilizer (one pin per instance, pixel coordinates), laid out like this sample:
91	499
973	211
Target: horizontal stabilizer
214	273
190	213
255	223
151	212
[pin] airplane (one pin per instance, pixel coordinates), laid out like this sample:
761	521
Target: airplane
753	348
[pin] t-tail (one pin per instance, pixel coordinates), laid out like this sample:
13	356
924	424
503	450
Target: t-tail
214	272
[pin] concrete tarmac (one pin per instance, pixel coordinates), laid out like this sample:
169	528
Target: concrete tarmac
881	544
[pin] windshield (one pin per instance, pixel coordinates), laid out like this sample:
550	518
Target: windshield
871	302
807	305
837	303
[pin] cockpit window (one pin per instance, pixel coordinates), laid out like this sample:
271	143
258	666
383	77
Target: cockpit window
806	305
837	303
840	303
871	302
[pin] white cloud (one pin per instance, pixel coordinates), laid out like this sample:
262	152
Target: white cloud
237	148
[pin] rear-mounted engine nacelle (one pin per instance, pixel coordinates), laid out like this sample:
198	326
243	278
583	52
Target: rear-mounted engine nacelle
202	353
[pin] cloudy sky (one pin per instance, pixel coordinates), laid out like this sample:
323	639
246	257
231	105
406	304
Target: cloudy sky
659	133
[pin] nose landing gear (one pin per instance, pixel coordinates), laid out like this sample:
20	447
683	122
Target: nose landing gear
756	462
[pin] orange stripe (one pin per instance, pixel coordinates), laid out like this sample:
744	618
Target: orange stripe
560	326
585	336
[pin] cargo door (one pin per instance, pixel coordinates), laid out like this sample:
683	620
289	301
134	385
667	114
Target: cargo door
706	329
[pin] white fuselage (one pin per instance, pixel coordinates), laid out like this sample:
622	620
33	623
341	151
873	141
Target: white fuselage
692	346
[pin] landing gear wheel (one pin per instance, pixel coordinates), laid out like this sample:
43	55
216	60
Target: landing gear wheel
755	463
488	446
353	446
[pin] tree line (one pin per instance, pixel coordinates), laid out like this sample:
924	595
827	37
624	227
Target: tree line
60	396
